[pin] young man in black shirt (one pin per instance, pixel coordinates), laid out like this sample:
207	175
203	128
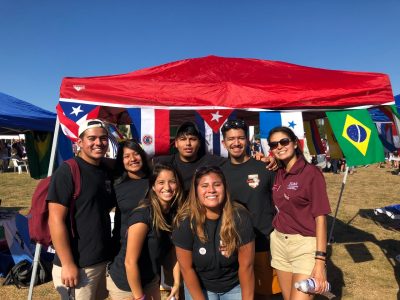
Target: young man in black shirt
188	160
82	252
250	183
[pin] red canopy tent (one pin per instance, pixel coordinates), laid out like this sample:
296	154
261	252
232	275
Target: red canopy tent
219	82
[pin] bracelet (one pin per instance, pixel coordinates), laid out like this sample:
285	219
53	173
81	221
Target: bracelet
320	258
141	298
320	253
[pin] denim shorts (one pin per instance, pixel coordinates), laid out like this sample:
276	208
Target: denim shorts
234	294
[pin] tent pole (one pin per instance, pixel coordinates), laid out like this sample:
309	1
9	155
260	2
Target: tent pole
338	204
38	247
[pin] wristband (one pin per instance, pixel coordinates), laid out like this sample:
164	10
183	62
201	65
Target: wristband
320	258
141	298
320	253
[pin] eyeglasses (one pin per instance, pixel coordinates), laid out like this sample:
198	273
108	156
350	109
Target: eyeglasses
234	124
282	142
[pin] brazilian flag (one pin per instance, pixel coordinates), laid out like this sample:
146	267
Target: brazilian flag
357	136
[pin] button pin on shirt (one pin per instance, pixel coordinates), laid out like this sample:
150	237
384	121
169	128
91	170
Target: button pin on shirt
202	251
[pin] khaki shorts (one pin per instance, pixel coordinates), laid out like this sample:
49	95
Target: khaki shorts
91	285
151	289
265	276
293	253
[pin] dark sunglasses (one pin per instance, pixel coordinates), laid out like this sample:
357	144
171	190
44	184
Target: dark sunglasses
234	124
282	142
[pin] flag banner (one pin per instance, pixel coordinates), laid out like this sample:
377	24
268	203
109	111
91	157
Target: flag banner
385	131
150	127
397	104
293	120
272	119
333	147
38	146
209	123
313	137
114	138
71	115
357	136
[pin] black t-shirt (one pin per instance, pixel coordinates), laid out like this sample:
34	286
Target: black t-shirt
250	184
92	226
187	169
129	193
155	248
216	273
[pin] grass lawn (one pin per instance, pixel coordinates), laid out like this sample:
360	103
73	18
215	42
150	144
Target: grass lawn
362	262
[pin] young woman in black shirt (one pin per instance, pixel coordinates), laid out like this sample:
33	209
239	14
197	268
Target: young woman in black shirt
214	241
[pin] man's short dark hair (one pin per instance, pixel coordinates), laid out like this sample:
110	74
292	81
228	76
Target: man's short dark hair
187	128
234	124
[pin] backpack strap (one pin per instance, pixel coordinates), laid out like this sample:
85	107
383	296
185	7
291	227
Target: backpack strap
76	180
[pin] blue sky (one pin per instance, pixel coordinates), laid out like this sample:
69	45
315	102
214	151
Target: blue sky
44	41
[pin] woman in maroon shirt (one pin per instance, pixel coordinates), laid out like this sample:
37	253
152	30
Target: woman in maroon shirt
298	242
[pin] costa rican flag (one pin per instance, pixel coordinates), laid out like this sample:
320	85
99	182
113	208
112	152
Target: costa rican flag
71	115
271	119
209	123
150	127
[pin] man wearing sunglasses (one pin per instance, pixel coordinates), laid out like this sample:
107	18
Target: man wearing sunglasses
250	183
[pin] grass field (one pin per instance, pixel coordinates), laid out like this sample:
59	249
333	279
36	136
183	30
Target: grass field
362	262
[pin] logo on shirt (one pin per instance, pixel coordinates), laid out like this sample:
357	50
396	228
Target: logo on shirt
253	180
202	251
293	186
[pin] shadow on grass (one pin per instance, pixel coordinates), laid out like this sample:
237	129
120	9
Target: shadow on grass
355	239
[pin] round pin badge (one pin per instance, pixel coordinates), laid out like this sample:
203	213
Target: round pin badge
202	251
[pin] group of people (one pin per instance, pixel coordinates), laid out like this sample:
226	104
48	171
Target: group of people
220	228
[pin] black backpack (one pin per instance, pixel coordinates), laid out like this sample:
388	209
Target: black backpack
20	274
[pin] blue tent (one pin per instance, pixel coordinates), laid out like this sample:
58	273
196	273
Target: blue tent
17	116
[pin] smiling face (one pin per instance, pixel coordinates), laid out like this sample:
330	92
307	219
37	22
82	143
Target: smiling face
287	153
188	146
235	142
211	193
93	145
165	187
132	163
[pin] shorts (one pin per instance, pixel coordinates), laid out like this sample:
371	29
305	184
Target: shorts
266	281
293	253
116	293
91	285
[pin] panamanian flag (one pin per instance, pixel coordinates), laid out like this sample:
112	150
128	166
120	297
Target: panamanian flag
271	119
71	115
150	127
209	122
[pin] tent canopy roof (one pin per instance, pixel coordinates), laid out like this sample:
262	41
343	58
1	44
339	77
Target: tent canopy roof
17	116
220	82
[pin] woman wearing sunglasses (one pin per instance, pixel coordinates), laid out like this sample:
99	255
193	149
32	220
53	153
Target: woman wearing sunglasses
214	241
299	239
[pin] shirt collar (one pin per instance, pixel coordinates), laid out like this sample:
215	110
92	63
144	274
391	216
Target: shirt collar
297	167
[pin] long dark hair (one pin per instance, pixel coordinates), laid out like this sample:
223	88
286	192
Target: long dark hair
196	211
159	221
120	172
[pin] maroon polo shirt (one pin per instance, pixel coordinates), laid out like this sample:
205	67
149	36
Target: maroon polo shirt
299	197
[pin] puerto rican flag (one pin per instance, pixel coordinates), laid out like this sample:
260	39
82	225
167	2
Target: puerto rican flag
209	123
150	127
271	119
71	115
